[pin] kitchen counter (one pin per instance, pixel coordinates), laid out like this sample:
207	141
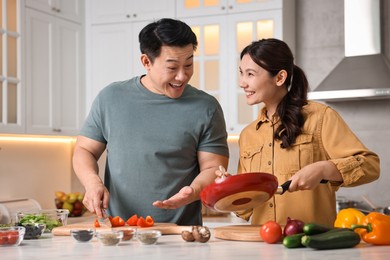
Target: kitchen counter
173	247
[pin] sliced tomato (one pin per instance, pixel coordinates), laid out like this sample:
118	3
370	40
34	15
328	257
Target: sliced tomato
148	222
9	237
117	222
13	237
96	223
132	221
121	222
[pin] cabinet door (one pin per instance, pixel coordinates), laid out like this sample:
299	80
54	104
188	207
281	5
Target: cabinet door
111	11
39	71
67	9
244	30
11	94
196	8
210	59
114	55
68	90
53	74
221	39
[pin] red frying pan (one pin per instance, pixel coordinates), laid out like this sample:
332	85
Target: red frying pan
242	191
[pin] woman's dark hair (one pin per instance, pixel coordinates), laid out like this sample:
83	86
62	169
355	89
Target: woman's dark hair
274	55
168	32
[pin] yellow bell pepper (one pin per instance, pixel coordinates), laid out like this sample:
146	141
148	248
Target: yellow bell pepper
348	217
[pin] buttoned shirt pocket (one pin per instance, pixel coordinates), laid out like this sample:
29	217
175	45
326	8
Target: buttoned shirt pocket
296	157
250	158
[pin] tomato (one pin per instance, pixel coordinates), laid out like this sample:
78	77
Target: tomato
149	220
117	222
271	232
13	237
132	221
96	223
9	237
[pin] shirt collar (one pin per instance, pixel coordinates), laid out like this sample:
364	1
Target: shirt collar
262	118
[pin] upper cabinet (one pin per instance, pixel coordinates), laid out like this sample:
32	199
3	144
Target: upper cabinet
11	92
67	9
222	35
117	11
196	8
54	66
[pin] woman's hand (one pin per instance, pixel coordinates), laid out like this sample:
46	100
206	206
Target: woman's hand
311	175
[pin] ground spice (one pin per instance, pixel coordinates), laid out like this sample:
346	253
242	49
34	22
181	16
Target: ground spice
109	239
148	238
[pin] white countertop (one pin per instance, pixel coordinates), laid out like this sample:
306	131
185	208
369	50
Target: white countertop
174	247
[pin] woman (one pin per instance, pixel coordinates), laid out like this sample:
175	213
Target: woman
296	139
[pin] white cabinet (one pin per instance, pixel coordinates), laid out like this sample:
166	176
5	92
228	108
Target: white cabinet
112	38
196	8
112	11
11	86
54	73
221	39
67	9
114	55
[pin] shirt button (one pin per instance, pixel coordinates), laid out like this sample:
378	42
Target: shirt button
271	205
269	162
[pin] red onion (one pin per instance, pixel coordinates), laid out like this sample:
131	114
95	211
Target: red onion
293	226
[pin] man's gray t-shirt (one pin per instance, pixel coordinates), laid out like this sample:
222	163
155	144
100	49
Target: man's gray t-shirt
152	144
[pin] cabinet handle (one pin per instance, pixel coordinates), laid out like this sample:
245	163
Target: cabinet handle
223	7
56	9
128	16
134	15
230	7
57	130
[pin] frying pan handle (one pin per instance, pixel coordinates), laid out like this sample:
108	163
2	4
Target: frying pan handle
284	187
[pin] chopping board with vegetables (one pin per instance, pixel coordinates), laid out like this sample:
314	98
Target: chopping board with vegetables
238	232
164	228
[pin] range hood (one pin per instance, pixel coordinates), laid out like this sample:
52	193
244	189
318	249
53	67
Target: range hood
364	72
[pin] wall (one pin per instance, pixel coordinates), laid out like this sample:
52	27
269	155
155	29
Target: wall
35	168
319	48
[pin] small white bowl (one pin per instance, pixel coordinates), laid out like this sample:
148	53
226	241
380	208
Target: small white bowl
128	233
109	238
148	237
11	236
83	235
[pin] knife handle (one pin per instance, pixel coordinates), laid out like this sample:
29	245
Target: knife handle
284	187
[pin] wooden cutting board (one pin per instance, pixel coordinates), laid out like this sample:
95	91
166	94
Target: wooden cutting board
238	232
165	228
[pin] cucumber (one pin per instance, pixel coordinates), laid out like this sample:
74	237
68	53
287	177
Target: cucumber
313	228
332	240
293	241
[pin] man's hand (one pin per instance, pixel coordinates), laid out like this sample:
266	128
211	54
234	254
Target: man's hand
96	199
183	197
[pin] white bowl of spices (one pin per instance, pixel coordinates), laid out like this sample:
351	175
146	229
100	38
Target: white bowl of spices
148	237
109	238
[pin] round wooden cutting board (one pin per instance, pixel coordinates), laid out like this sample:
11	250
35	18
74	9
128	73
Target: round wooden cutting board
238	232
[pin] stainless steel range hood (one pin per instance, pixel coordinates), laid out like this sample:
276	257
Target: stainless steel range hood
364	72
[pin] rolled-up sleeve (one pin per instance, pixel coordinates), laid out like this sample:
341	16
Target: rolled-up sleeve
356	163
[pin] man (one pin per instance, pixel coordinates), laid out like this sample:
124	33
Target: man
164	138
